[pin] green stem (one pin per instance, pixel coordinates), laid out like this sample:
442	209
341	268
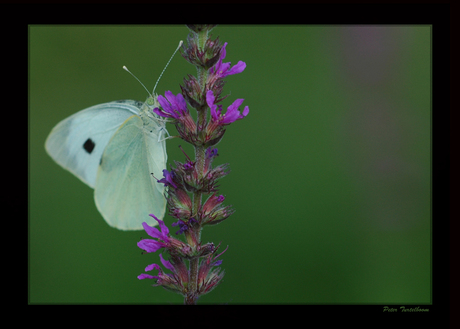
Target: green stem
194	237
192	295
202	74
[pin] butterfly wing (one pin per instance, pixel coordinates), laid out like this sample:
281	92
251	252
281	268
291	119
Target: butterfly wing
125	192
77	143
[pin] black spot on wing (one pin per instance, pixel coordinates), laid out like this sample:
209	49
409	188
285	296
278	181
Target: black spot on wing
89	145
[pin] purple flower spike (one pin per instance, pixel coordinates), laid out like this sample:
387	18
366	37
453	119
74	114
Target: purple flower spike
191	267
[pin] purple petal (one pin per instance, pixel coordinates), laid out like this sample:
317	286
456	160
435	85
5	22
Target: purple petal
236	104
223	52
188	165
166	264
214	114
232	112
217	263
150	245
178	105
230	118
238	68
210	152
161	113
173	106
152	267
210	98
223	69
181	104
164	104
168	179
152	231
170	97
164	230
145	276
245	111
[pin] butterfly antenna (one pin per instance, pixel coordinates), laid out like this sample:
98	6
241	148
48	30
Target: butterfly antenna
180	44
126	69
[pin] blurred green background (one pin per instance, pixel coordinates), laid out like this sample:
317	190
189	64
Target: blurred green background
330	171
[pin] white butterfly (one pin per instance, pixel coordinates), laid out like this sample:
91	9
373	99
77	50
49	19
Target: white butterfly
114	148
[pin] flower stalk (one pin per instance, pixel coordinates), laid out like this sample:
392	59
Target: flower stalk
192	192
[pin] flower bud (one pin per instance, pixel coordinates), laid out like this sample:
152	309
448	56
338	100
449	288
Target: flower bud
206	249
209	280
179	268
201	27
212	212
192	92
179	203
186	176
206	57
177	281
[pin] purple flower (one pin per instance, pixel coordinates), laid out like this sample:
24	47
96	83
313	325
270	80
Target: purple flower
164	240
175	107
232	113
223	69
150	245
209	155
168	178
175	281
189	165
184	226
210	152
172	106
149	268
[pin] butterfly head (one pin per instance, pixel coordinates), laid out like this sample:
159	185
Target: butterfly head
151	102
